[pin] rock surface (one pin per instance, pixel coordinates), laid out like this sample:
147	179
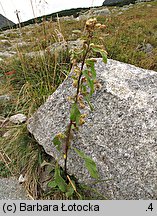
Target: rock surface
94	12
18	118
147	48
10	189
4	98
117	2
102	12
120	134
138	1
58	47
5	22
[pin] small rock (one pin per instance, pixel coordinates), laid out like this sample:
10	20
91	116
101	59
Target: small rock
7	54
83	17
66	18
21	179
124	8
18	118
71	45
58	47
5	98
7	134
147	48
103	12
149	5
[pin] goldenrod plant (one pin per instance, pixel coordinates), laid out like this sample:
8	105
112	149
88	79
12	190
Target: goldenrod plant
28	78
84	81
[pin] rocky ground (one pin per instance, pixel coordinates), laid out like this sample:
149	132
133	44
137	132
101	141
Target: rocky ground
10	189
13	39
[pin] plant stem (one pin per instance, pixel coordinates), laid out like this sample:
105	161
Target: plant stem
71	122
67	147
82	65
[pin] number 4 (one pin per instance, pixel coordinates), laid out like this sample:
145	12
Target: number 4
150	207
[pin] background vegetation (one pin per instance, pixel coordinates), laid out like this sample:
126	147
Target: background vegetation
35	72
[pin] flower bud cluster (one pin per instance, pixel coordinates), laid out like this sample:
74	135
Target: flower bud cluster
92	23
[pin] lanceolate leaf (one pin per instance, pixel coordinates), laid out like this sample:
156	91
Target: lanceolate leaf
75	113
104	56
80	153
102	52
76	31
93	71
90	65
90	82
89	163
91	85
85	73
70	190
89	103
57	143
97	49
83	89
52	184
59	180
91	166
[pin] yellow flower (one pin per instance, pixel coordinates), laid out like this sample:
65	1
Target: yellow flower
60	135
81	105
75	83
90	24
81	121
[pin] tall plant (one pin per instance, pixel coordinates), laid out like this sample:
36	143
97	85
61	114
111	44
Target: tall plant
84	80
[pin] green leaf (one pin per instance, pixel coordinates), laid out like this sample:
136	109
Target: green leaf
104	56
70	190
52	184
91	166
102	52
76	31
89	103
57	143
89	163
90	65
75	113
39	158
85	73
80	153
97	49
90	82
93	71
59	180
83	89
91	85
